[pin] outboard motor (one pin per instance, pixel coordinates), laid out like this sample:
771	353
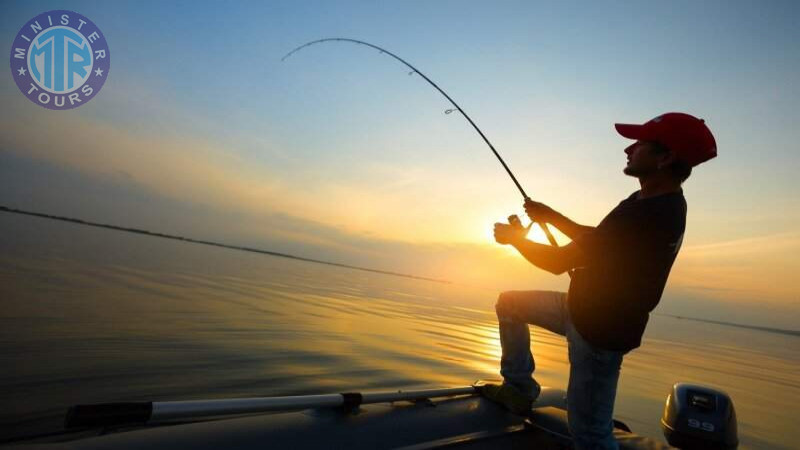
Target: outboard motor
699	417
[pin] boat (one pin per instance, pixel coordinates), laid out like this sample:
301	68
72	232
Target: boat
453	417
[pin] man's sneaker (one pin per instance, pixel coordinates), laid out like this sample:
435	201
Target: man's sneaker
510	397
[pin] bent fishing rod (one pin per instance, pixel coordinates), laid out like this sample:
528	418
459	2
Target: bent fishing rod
456	108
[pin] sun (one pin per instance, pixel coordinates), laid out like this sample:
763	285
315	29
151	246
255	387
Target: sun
537	235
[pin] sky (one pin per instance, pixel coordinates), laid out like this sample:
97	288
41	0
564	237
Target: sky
338	154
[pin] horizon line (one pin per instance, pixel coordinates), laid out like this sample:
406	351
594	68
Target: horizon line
217	244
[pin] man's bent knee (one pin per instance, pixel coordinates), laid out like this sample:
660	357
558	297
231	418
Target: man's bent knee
505	306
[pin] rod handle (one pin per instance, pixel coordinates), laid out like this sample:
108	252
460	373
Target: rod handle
544	228
549	235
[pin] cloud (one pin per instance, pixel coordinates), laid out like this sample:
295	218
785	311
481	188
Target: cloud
408	202
91	190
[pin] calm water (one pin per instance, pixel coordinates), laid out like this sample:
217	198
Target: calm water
95	315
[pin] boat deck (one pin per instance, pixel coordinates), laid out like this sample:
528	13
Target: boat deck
462	422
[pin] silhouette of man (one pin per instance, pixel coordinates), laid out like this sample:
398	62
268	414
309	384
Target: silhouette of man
620	270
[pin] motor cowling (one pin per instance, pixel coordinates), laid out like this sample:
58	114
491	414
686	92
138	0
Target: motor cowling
699	417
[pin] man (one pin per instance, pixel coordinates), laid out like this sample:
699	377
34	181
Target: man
620	269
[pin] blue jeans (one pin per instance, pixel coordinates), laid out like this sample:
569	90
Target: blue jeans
593	372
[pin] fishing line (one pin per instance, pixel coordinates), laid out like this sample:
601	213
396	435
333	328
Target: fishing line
448	111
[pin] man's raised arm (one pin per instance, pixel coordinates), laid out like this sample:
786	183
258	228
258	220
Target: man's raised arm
539	212
556	260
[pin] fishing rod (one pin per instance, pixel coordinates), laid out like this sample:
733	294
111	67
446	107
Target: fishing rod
456	108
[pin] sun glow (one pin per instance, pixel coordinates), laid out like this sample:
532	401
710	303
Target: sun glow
537	235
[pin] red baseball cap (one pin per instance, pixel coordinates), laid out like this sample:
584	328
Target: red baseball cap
686	135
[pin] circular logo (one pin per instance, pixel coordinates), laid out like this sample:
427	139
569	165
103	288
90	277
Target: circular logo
60	59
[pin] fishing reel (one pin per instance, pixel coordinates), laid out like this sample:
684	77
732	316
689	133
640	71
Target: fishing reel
514	220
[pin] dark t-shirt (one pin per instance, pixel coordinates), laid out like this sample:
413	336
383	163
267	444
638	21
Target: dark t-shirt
629	256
